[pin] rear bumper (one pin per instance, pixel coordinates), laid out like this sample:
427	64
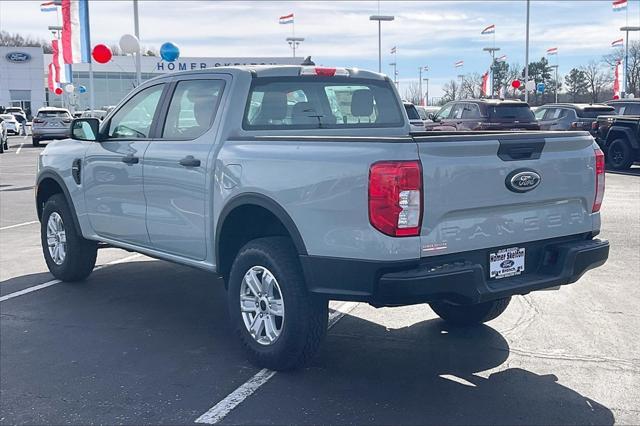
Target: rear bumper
55	133
459	278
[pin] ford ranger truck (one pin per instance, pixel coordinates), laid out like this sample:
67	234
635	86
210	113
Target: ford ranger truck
301	184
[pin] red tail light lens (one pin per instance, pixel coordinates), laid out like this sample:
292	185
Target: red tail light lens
395	197
597	202
38	121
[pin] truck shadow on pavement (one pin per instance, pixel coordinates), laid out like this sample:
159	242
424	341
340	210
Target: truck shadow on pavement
426	373
150	342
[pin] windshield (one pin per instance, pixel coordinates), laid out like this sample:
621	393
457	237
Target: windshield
595	112
53	114
328	103
511	112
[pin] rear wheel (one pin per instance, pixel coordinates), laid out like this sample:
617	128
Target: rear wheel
35	141
620	154
68	255
470	314
279	323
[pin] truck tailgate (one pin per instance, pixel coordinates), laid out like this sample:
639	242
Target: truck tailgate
469	202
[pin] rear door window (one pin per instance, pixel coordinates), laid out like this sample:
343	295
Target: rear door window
192	109
328	103
633	109
471	111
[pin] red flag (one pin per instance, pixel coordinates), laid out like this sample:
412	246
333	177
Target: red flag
485	84
51	77
616	80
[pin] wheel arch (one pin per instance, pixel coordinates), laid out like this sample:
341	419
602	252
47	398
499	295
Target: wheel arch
617	132
48	184
266	212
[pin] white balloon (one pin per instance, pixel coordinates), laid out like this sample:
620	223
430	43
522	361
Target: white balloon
69	88
129	43
531	85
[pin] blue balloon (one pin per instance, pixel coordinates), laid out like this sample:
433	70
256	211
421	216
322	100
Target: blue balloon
169	52
82	89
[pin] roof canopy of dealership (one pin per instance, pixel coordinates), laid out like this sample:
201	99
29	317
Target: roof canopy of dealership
24	73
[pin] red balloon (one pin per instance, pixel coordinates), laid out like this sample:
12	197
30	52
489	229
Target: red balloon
58	91
515	84
616	97
101	53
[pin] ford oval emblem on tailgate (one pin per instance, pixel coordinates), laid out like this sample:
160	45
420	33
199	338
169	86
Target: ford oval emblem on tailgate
522	180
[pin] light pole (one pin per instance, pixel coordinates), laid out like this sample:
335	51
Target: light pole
380	18
420	69
294	42
395	72
492	51
526	57
626	56
136	26
461	77
556	85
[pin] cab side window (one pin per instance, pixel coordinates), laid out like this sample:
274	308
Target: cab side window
134	119
192	109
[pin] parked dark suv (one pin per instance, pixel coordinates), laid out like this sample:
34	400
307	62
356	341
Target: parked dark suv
483	114
568	116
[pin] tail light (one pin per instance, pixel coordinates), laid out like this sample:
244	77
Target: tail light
66	120
575	125
395	197
38	121
597	202
324	71
594	125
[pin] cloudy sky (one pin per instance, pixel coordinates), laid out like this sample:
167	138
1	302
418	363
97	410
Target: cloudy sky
433	33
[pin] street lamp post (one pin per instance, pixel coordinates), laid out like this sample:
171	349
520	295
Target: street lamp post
626	55
420	69
492	51
556	85
380	18
136	27
294	42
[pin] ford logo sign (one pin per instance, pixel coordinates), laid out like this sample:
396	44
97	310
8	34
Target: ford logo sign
522	180
18	57
507	264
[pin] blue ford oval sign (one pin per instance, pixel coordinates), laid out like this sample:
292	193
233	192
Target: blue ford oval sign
18	57
522	180
507	264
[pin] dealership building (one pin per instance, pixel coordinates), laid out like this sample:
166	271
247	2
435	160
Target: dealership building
24	73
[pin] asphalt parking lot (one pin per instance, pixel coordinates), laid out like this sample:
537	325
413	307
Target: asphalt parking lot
146	341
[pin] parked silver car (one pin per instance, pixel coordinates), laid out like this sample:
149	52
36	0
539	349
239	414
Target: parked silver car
12	125
50	123
4	143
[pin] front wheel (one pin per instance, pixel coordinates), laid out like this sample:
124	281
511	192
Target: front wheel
280	324
620	154
68	255
470	314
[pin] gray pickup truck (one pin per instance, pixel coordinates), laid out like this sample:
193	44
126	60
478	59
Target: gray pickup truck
300	184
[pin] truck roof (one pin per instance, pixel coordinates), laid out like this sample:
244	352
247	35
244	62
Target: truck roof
282	71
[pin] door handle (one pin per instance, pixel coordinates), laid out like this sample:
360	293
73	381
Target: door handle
130	159
189	161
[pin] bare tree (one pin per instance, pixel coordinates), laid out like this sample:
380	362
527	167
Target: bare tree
450	91
18	40
471	86
595	78
412	93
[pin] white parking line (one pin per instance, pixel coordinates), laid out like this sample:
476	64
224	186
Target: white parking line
20	148
19	224
54	282
235	398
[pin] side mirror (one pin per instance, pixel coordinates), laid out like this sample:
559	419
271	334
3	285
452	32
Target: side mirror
85	129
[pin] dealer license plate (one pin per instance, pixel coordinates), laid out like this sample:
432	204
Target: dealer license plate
506	263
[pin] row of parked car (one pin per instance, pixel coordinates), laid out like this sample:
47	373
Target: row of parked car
615	124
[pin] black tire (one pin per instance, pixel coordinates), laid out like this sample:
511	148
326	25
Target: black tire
80	255
2	143
35	141
620	154
470	314
305	322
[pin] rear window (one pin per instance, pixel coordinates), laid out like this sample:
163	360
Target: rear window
511	112
412	112
316	102
594	112
53	114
